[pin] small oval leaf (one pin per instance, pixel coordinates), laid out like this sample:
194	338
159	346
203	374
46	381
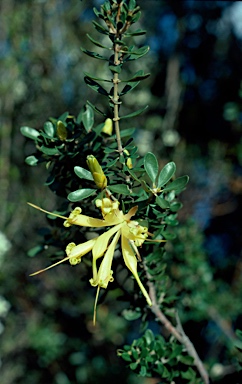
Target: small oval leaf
177	184
166	174
31	160
88	118
164	204
80	194
31	133
119	188
83	173
151	166
49	129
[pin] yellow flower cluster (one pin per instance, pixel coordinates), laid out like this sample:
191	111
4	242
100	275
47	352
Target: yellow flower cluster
132	236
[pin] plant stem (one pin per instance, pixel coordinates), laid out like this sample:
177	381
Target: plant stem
116	81
178	332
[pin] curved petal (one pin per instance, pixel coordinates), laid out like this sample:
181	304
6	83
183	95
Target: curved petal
131	263
86	221
102	242
75	252
104	275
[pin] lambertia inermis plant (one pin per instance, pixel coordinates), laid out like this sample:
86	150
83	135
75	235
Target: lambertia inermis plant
118	209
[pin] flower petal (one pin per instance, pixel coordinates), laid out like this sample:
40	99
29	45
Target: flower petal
131	263
85	221
75	252
102	242
104	275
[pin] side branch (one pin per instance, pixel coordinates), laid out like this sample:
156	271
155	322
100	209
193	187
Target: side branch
178	332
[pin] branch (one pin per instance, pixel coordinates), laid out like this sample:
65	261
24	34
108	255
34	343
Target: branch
178	332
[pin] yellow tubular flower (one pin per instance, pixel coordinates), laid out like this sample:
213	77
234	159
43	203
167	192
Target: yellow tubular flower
132	235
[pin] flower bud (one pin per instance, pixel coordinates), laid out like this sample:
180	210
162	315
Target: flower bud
97	172
61	131
108	127
129	163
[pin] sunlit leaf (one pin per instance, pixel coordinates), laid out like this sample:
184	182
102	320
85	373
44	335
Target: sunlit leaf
49	129
177	184
31	160
88	118
166	174
83	173
80	194
119	188
31	133
151	166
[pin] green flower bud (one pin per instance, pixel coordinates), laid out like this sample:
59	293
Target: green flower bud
97	172
108	127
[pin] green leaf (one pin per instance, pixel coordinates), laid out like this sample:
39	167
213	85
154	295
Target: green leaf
31	160
133	114
149	336
31	133
88	118
134	55
171	220
138	32
100	28
130	315
133	366
93	54
64	116
96	78
177	184
97	13
119	188
175	206
151	166
97	42
96	109
164	204
126	356
50	151
49	129
166	174
80	194
143	371
95	86
140	75
129	87
35	250
115	68
83	173
132	5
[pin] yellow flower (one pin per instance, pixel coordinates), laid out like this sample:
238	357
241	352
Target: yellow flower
132	236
